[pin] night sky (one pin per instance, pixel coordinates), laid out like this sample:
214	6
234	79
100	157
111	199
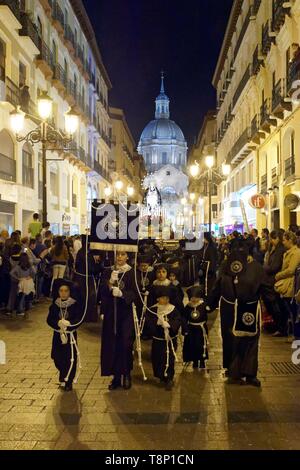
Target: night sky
139	38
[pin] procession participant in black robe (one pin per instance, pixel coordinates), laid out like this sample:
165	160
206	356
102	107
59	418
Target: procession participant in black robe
174	277
208	263
190	264
64	312
144	278
86	263
118	292
164	322
195	346
238	290
161	279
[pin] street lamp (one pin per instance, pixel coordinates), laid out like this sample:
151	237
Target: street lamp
45	133
210	173
119	185
44	104
130	191
107	191
194	170
209	161
192	196
183	201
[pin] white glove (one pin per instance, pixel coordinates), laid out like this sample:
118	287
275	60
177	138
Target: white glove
163	323
63	324
116	292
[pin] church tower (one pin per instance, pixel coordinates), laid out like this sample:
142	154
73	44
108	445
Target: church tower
162	141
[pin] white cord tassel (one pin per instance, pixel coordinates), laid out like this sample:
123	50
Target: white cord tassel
138	340
145	304
168	339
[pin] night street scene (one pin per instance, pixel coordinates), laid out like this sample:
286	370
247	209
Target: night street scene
150	229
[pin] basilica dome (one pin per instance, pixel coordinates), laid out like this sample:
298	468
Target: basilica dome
162	129
162	141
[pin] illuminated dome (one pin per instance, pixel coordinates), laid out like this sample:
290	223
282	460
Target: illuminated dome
162	141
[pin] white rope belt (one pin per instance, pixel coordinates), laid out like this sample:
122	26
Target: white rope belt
73	345
205	335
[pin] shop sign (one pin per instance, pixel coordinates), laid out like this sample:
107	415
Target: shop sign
257	201
291	201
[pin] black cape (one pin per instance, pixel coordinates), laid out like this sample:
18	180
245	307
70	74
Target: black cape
61	353
118	333
194	346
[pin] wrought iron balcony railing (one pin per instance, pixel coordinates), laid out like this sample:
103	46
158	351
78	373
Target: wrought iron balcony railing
289	167
280	9
29	29
242	84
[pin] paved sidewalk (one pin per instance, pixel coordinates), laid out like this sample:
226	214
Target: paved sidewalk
201	412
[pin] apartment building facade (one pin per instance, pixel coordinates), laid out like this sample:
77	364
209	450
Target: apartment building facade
49	45
258	120
204	145
123	162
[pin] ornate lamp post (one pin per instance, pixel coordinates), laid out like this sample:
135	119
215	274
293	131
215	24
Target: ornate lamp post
45	134
209	174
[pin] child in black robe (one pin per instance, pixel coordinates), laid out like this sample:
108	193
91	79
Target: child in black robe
63	313
195	329
174	277
164	324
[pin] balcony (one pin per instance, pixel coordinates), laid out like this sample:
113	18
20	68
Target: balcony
279	105
280	9
79	56
267	39
293	74
69	39
29	29
59	79
82	155
289	167
242	85
256	134
265	121
12	92
71	93
264	184
14	9
7	168
58	19
74	200
274	176
256	7
258	60
240	149
242	33
45	59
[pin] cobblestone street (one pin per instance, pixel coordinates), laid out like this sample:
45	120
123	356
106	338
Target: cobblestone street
201	412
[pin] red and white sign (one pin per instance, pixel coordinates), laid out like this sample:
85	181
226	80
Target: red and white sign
257	201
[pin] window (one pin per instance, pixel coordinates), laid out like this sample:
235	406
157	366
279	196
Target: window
2	60
164	158
7	161
250	172
22	74
74	191
54	182
54	52
39	27
27	167
243	177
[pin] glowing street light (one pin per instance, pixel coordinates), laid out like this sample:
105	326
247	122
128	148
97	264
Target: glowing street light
226	169
130	191
194	170
119	185
210	161
45	104
17	119
71	121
